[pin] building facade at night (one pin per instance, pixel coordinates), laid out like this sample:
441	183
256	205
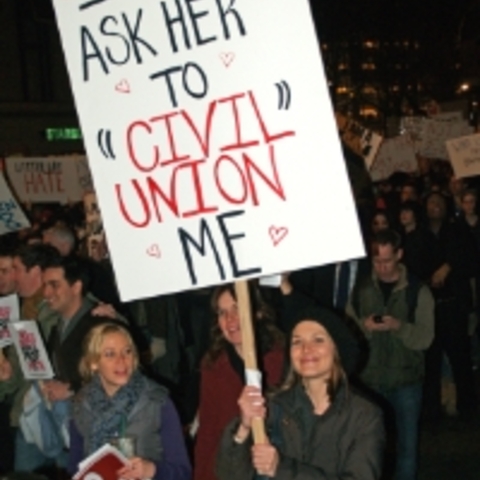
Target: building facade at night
378	63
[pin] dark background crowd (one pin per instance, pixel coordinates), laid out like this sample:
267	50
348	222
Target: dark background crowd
436	218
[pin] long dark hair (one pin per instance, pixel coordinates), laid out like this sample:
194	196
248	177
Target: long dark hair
263	317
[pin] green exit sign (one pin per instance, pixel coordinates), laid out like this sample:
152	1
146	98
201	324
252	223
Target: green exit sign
55	134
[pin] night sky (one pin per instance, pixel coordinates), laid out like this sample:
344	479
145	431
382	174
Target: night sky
428	20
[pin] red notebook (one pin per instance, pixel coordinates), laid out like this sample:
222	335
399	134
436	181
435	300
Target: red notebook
101	465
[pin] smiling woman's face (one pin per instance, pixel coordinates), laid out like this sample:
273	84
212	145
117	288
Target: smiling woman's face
229	319
312	351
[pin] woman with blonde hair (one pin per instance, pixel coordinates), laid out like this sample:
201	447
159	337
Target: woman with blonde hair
118	401
318	426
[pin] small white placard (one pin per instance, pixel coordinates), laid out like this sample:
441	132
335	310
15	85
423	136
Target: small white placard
464	155
12	217
9	312
31	350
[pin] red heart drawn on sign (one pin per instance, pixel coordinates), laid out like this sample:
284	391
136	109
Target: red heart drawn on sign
277	234
154	251
123	86
227	58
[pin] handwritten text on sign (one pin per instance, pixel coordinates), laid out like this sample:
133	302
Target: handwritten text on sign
48	179
210	140
395	155
9	312
31	351
12	217
464	155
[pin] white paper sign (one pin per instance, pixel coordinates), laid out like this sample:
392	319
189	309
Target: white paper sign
395	155
360	140
12	217
465	155
449	116
436	132
49	179
31	351
84	175
210	137
9	312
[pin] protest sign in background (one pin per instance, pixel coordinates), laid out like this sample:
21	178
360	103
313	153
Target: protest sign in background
84	176
464	155
12	217
210	137
48	179
436	132
395	155
360	140
9	312
31	351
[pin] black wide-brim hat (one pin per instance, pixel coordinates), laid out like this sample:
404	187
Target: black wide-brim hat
345	338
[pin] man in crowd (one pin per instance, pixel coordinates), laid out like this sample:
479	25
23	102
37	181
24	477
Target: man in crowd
102	284
27	263
7	281
453	266
65	287
395	311
64	284
65	315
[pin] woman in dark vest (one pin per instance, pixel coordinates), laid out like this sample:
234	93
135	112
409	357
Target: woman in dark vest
116	401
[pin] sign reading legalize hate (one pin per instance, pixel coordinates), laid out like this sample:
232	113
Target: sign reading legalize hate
211	139
49	179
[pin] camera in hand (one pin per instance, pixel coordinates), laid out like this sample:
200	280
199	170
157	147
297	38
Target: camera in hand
378	318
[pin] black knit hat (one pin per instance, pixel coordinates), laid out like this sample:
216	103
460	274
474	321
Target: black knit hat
347	344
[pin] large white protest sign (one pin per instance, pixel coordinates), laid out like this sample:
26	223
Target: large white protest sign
31	351
210	137
48	179
436	132
395	155
465	155
12	217
9	312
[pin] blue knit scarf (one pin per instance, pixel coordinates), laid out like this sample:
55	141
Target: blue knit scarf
110	414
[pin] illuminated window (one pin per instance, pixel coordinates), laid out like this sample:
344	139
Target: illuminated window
368	66
369	91
368	112
342	90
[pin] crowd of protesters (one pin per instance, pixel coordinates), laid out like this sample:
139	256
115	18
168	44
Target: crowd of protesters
354	355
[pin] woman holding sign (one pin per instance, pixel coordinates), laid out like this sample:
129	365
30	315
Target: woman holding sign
222	371
118	404
317	425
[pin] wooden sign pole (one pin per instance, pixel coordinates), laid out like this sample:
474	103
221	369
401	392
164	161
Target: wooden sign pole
248	348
